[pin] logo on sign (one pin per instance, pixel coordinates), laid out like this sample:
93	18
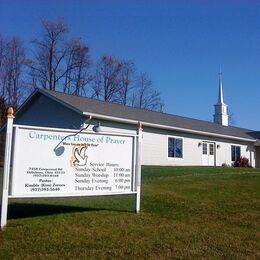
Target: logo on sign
79	156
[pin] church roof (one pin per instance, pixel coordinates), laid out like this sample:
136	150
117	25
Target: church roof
117	112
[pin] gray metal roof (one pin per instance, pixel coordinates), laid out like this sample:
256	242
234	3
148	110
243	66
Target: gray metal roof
87	105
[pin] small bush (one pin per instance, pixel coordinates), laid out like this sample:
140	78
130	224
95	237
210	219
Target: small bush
242	162
225	165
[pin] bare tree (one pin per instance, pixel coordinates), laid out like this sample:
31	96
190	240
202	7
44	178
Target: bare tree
107	79
2	111
127	75
59	63
77	69
12	66
145	96
2	55
231	118
50	52
115	81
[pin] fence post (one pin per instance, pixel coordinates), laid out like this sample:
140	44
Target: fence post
7	161
138	167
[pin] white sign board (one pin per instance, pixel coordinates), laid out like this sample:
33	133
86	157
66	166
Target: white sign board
51	162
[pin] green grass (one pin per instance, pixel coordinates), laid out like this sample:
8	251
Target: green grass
187	213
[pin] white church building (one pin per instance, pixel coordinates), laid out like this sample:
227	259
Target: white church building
167	139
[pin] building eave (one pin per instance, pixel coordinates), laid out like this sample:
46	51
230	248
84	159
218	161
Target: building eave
166	127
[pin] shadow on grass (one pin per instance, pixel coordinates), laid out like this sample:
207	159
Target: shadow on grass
25	210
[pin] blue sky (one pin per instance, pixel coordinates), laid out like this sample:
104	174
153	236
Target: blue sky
180	44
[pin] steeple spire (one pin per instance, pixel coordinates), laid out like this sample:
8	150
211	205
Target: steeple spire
220	91
221	112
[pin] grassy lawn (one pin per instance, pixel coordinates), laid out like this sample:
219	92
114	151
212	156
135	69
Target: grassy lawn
187	213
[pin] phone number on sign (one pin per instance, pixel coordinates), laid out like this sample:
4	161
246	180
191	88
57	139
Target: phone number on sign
44	189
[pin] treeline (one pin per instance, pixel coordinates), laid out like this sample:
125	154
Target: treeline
56	62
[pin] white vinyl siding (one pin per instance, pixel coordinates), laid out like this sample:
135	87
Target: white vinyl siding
155	148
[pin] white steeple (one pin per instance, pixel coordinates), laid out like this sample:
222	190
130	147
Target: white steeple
221	111
220	90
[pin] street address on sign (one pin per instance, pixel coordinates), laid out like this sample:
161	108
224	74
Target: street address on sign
51	162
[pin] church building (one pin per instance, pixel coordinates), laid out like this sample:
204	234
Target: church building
167	139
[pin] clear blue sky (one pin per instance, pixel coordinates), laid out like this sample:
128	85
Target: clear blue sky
180	44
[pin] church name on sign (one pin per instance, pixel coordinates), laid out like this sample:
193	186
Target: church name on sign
76	138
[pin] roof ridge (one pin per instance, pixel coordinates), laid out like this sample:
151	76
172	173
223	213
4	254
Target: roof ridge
104	102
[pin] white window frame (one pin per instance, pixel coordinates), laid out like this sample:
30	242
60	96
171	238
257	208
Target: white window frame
176	137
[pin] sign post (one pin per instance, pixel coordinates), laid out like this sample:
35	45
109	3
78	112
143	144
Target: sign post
138	167
7	160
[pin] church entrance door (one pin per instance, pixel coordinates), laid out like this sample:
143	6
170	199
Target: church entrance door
208	154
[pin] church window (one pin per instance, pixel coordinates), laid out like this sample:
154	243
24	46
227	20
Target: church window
211	149
175	147
235	152
205	148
